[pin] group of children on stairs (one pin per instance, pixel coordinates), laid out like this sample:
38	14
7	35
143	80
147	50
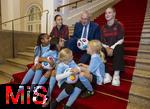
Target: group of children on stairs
73	79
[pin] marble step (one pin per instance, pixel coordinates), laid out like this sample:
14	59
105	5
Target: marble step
143	64
146	23
4	79
147	20
30	49
145	38
147	17
146	26
26	55
144	54
146	30
145	35
136	106
145	41
140	95
8	70
141	77
144	47
19	62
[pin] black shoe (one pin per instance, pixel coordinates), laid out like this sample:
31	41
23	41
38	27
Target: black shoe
67	107
54	105
86	94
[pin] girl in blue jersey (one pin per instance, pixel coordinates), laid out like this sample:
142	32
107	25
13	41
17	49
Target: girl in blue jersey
55	46
49	57
42	47
42	51
67	79
95	71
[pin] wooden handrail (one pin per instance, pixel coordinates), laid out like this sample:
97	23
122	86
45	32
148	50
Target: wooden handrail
72	3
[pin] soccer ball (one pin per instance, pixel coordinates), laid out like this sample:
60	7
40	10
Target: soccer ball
46	65
72	78
82	43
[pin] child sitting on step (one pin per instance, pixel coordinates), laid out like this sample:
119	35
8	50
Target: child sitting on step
42	47
67	76
42	52
55	46
95	71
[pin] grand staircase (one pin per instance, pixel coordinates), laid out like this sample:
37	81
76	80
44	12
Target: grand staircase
139	95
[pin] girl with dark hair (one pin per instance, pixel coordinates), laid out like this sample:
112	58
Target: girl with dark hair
41	48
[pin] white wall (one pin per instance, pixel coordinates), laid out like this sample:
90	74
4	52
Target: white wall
10	9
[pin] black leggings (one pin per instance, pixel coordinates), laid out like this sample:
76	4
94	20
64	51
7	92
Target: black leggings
118	58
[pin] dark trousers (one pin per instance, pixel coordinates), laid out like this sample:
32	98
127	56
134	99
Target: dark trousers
117	58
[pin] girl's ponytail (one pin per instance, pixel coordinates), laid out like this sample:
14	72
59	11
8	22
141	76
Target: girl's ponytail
97	46
102	56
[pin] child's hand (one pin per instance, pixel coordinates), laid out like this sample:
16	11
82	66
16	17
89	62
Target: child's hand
81	64
51	62
38	66
75	70
109	51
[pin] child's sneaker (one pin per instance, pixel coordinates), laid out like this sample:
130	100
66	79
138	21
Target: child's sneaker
107	78
86	94
116	80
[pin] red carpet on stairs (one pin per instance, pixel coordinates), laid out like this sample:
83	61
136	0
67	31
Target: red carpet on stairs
131	13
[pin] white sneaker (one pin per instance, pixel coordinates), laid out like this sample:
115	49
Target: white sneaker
107	78
116	80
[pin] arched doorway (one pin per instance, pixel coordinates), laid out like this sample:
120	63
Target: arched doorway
34	20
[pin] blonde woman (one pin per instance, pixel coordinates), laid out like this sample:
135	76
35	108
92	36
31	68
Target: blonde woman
112	39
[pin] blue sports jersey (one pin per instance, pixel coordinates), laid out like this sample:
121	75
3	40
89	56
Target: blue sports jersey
40	50
52	53
61	67
97	68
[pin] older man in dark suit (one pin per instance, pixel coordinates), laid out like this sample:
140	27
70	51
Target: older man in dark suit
84	29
